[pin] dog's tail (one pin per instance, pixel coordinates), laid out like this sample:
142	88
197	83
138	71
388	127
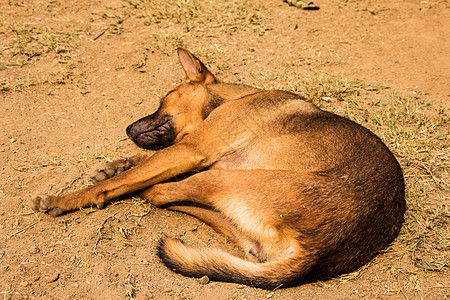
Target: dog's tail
221	266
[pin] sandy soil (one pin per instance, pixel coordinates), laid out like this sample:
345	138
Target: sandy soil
74	74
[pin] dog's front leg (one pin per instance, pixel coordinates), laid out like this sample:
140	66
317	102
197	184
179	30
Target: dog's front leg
165	164
117	166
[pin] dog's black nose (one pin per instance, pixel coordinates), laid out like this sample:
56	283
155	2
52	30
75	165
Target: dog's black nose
129	129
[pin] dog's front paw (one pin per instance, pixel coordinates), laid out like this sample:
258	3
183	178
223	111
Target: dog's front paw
46	203
111	169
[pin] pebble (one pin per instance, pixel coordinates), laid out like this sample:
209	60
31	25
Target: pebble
35	249
204	280
25	284
73	259
52	277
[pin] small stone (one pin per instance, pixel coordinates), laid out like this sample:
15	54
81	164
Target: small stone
35	249
204	280
269	296
24	284
73	259
13	140
52	277
240	287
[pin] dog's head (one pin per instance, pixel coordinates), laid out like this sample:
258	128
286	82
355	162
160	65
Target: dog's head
180	111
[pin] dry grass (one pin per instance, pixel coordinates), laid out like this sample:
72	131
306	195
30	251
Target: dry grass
28	41
172	21
25	43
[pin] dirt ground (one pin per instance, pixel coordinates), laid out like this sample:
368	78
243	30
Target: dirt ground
74	74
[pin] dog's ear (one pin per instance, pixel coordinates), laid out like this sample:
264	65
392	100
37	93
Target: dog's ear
195	70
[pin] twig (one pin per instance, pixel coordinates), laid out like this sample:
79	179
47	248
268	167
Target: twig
25	214
102	33
401	289
118	141
25	228
106	28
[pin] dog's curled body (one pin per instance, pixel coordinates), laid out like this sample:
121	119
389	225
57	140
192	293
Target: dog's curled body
316	194
306	193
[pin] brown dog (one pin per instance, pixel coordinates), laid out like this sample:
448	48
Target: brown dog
306	193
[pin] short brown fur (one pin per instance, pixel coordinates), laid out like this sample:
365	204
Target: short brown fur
307	194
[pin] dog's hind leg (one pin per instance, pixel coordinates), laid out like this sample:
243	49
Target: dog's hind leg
215	219
247	205
222	225
252	205
210	217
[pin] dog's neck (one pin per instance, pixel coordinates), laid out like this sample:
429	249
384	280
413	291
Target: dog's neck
222	92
